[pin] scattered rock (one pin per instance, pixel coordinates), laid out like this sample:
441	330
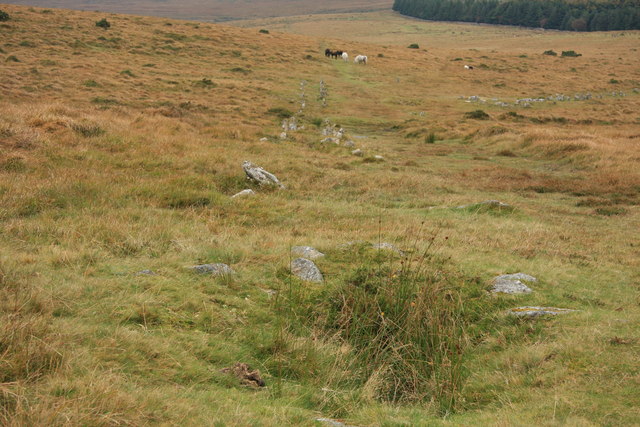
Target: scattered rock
330	139
379	158
349	143
357	152
538	311
306	270
283	135
388	247
245	374
306	252
213	269
145	273
259	175
264	139
488	205
334	423
244	193
512	283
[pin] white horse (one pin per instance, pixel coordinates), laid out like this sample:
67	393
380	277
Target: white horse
360	59
345	57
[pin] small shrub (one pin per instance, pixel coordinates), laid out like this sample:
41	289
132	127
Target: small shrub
240	70
457	59
87	129
105	101
614	81
506	153
570	53
611	210
282	113
477	115
430	138
13	164
12	58
205	83
550	53
263	31
414	46
380	55
127	73
90	83
4	16
27	43
103	23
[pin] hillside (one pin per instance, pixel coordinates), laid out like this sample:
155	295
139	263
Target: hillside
121	149
214	10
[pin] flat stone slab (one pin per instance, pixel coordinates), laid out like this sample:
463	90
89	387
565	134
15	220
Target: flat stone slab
213	269
244	193
306	252
306	270
512	284
538	311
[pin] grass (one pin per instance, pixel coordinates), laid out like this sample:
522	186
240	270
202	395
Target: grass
101	181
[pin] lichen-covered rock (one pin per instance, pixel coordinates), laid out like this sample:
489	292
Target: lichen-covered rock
512	283
259	175
538	311
244	193
306	270
349	143
378	158
306	252
218	269
357	152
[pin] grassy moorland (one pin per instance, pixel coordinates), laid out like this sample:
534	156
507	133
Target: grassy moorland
215	10
120	149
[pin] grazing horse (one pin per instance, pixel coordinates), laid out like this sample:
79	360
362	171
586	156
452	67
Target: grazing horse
345	57
360	59
335	54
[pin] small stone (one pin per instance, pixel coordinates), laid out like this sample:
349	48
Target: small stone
331	422
538	311
378	158
349	143
487	204
283	135
264	139
145	273
306	270
512	284
213	269
357	152
244	193
388	247
330	139
306	252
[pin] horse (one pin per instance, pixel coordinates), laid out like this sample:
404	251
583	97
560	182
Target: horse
360	59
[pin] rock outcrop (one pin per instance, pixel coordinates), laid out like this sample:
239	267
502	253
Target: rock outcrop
260	176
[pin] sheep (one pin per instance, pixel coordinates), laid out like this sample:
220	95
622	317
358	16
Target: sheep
345	57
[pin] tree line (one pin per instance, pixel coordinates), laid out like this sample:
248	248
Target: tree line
552	14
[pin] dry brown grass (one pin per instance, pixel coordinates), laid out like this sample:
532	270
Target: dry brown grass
116	155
